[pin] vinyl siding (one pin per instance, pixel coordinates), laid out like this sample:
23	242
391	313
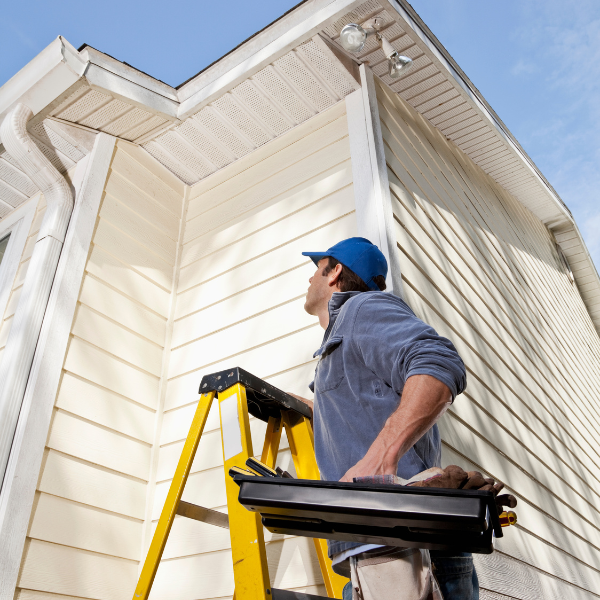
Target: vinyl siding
19	279
240	301
86	530
484	271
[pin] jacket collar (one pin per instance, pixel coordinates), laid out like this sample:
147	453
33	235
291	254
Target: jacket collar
334	307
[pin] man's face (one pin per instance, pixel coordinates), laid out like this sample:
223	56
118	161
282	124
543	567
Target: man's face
319	290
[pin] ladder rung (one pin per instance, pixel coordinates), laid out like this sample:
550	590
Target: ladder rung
289	595
199	513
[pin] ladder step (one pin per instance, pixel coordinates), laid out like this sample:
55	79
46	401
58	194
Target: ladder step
199	513
290	595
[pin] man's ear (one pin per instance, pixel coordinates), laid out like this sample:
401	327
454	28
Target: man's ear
334	275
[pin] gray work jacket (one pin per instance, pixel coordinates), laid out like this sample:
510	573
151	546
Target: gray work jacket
373	344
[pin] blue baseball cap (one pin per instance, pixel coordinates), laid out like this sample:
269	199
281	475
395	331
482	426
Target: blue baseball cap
360	256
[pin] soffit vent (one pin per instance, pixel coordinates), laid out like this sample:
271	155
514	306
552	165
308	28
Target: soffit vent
295	87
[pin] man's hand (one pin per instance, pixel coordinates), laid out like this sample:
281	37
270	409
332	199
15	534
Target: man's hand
423	401
454	477
306	401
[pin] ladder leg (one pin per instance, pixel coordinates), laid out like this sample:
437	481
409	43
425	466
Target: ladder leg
249	555
272	439
167	516
302	447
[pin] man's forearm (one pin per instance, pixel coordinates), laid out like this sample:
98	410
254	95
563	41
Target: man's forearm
424	400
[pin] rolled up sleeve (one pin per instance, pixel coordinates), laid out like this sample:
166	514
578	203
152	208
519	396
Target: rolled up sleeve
395	344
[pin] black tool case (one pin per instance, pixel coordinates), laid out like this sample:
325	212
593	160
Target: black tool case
391	515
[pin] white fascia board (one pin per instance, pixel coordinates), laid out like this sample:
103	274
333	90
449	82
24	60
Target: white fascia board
438	54
115	66
295	28
131	92
53	71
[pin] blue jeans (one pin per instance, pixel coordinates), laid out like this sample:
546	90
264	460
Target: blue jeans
455	575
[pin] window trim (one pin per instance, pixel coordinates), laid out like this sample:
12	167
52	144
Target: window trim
18	225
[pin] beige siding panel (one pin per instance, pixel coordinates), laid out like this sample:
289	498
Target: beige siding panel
279	355
13	301
537	522
152	212
72	524
119	275
95	444
21	273
332	207
280	260
75	479
206	488
116	340
35	595
292	564
484	272
114	305
124	218
210	451
293	175
134	254
313	190
89	362
264	328
163	186
100	405
237	308
4	331
73	572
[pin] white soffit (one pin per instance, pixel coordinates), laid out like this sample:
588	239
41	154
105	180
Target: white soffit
293	88
433	90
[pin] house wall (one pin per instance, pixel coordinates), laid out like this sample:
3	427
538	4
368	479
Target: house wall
85	534
485	272
240	301
17	284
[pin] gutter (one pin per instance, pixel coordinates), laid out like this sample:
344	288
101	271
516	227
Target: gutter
27	323
49	75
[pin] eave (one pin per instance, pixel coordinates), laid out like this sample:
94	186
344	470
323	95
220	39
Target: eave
190	131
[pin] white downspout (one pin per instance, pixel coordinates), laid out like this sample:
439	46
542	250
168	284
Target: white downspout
22	340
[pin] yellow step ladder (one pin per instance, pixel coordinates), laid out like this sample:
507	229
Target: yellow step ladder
240	394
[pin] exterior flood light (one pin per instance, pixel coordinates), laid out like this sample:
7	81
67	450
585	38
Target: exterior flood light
398	64
353	38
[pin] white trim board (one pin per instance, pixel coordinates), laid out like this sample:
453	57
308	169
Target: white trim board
32	429
374	217
17	224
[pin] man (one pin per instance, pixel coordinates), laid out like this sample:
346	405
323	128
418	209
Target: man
383	379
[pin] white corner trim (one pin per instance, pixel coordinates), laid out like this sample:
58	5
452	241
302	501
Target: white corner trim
28	446
18	224
374	215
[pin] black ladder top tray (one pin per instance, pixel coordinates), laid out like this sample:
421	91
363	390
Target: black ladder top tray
391	515
264	399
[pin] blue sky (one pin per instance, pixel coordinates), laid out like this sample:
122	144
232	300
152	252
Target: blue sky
537	62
